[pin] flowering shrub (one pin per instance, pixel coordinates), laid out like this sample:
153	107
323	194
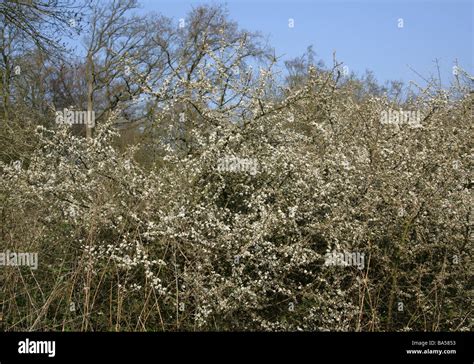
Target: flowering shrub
318	206
187	246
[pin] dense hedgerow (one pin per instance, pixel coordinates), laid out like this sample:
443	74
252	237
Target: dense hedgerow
251	198
186	245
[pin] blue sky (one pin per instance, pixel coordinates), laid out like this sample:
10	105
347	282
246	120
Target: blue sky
364	33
